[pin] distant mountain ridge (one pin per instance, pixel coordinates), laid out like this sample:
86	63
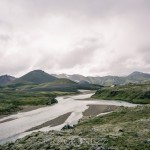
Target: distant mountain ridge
135	77
41	77
5	79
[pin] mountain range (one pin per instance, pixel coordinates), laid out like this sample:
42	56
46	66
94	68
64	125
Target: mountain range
38	79
135	77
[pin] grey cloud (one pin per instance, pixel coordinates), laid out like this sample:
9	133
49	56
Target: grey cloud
82	53
14	66
19	17
88	8
96	7
46	60
114	66
145	54
123	65
4	37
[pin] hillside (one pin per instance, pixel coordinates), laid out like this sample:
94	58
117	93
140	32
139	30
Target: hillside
138	77
88	86
63	85
57	85
134	93
123	129
135	77
6	79
35	77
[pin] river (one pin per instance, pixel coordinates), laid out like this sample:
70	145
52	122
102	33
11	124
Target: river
15	129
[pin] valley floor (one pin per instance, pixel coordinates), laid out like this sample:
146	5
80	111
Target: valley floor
123	129
126	128
43	119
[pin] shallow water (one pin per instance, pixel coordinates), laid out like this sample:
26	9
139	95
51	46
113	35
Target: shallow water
14	129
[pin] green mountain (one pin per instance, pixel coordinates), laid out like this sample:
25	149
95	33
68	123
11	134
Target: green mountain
35	77
6	79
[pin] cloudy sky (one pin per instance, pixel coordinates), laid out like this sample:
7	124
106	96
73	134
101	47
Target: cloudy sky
89	37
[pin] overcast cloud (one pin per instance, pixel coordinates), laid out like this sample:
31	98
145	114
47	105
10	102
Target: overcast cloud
99	37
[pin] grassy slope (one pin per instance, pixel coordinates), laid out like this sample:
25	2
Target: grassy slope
57	85
134	93
64	85
124	129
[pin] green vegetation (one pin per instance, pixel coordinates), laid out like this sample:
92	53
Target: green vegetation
64	85
12	101
88	86
134	93
124	129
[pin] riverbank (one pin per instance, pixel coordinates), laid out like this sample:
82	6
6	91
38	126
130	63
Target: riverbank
13	102
132	93
22	109
17	101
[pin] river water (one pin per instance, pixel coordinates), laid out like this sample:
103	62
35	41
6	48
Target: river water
15	129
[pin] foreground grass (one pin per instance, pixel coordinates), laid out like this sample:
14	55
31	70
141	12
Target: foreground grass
124	129
134	93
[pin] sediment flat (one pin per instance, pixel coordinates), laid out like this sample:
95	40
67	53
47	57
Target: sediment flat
94	110
54	122
6	120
